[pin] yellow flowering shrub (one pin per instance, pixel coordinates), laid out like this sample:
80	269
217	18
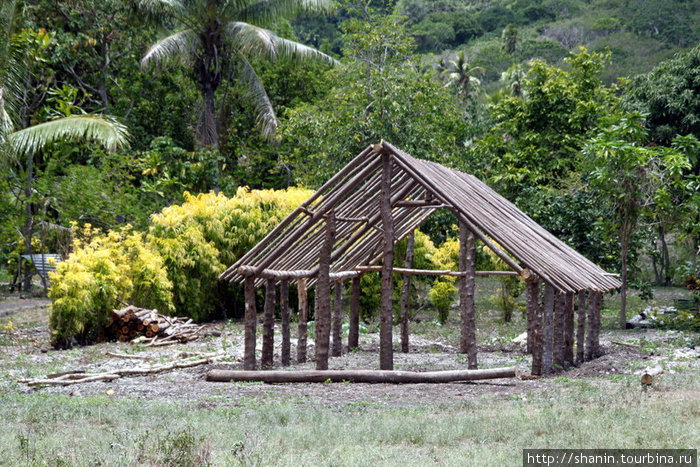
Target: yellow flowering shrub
103	272
200	238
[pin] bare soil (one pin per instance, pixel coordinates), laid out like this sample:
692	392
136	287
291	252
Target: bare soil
188	386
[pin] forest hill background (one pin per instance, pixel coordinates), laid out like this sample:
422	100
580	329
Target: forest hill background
585	113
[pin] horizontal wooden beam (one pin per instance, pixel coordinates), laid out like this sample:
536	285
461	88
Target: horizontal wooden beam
279	275
431	272
360	376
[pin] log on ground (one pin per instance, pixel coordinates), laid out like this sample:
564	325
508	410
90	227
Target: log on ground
360	376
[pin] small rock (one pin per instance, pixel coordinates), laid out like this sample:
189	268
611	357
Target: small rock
521	340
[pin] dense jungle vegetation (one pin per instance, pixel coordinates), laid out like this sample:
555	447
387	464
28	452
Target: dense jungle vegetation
116	114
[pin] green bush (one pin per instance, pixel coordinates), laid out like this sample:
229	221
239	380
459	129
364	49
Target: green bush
103	272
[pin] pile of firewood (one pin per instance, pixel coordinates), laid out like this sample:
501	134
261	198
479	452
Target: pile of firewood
133	324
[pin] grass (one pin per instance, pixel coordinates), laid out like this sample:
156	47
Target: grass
48	429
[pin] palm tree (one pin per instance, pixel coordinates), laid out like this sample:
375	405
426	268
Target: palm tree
216	38
461	73
18	146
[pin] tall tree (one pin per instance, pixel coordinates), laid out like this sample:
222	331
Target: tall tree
216	39
630	178
18	146
461	74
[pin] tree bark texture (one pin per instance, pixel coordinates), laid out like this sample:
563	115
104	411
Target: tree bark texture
467	261
548	331
250	321
303	318
559	317
268	344
592	343
354	328
323	295
534	307
569	330
337	347
405	290
580	326
284	314
360	376
386	351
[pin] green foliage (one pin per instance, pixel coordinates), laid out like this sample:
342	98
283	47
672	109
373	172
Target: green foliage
442	297
207	233
103	272
671	20
509	290
380	93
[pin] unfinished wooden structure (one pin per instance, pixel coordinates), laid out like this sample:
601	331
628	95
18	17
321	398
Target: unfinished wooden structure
350	226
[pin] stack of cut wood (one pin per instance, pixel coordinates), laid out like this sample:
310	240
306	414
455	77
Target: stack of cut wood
143	325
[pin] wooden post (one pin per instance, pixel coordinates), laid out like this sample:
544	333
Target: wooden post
559	310
592	345
386	351
531	298
467	261
581	326
268	325
284	312
405	292
323	295
354	328
250	319
569	330
337	347
303	318
548	331
534	309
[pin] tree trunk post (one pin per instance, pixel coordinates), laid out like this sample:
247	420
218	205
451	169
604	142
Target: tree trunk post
337	347
548	331
284	313
405	290
569	330
250	321
386	351
559	328
580	326
323	295
303	318
268	345
354	328
534	308
467	260
592	344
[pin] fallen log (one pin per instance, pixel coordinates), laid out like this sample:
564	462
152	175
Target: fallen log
360	376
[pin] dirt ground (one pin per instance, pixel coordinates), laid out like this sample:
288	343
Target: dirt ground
25	353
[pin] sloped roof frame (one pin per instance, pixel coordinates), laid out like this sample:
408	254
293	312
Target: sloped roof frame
418	189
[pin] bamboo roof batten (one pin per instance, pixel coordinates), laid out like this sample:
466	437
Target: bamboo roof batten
418	189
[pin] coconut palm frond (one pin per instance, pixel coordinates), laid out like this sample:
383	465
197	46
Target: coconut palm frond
160	8
103	130
255	92
264	13
254	41
179	46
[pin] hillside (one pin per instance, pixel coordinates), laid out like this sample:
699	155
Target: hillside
639	33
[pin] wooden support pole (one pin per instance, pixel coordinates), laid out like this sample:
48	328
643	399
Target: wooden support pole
592	344
548	331
569	330
284	313
360	376
337	347
386	351
559	312
467	261
268	345
354	328
250	320
534	309
303	318
580	327
405	290
323	295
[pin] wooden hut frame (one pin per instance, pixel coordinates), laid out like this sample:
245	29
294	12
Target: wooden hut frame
353	222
